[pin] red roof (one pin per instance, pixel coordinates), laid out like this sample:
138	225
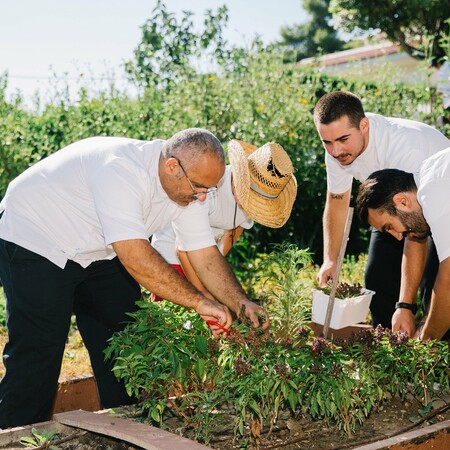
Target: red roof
354	54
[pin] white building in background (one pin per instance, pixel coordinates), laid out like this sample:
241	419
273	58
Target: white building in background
371	62
380	61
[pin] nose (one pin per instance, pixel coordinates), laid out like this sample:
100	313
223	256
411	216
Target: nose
397	234
201	196
335	148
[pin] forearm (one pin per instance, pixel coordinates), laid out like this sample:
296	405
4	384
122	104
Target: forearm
334	218
216	275
413	264
191	275
438	320
151	271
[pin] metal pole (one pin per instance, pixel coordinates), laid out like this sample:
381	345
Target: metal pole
348	224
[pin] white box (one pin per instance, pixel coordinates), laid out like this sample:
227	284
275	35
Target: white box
346	312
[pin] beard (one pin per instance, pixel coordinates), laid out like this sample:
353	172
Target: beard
341	158
415	223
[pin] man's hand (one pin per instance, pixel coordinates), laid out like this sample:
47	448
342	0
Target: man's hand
216	312
326	273
404	320
215	273
252	311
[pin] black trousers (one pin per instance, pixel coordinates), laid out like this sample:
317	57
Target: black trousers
40	299
383	275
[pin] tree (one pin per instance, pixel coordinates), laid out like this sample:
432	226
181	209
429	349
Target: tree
313	37
414	24
168	47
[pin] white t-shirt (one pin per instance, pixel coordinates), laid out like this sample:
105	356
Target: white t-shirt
221	205
433	182
393	144
76	202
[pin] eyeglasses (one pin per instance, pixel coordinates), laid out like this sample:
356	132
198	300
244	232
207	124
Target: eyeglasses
195	193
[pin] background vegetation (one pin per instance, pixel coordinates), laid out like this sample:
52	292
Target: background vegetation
249	94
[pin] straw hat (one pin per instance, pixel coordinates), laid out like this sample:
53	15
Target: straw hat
264	181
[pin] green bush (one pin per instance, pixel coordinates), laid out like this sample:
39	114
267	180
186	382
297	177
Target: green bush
260	99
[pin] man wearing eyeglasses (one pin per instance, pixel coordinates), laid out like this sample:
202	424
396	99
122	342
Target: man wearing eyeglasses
74	237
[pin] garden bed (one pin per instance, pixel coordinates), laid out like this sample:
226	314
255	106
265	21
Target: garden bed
390	427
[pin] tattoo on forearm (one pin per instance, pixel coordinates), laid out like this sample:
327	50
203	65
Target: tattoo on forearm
337	196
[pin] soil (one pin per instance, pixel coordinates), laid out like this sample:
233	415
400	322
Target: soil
394	417
81	440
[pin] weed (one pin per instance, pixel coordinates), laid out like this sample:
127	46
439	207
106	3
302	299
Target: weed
40	440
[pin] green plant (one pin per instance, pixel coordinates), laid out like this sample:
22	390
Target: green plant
343	290
284	292
163	351
169	359
40	440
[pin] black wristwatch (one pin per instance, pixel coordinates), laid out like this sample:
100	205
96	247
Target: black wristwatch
412	307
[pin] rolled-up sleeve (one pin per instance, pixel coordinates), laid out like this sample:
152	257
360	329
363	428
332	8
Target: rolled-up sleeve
192	228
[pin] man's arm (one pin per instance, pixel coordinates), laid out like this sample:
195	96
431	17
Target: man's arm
438	320
413	263
150	270
215	273
229	238
334	218
191	275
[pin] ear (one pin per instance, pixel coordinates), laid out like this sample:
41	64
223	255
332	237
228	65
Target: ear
171	167
402	201
364	125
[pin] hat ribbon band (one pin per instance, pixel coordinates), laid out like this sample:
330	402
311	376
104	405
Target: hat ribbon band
256	189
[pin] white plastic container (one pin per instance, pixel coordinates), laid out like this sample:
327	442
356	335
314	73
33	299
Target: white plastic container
346	312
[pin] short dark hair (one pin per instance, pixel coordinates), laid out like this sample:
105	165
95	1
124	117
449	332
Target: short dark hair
334	105
378	190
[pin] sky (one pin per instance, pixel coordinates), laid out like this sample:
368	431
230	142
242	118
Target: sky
53	39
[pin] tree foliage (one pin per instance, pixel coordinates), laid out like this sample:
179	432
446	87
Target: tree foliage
313	37
168	46
417	25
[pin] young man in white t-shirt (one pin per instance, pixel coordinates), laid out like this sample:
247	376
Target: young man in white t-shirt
258	185
399	203
357	144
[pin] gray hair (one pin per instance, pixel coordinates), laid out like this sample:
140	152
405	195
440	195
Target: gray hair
193	144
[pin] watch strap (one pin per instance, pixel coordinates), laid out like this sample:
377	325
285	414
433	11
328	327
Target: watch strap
411	306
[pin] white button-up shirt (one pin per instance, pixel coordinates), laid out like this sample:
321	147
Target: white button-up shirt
75	203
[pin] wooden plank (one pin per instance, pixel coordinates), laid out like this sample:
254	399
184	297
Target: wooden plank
435	436
79	393
143	435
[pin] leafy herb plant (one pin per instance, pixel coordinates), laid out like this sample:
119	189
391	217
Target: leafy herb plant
344	290
248	380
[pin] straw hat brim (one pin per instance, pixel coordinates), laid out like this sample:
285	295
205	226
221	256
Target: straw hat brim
272	213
